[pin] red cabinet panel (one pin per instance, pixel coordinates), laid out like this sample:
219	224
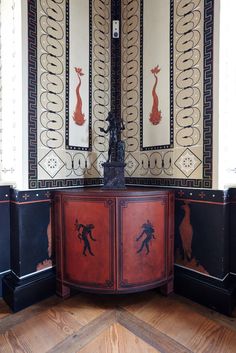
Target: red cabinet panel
114	241
142	237
88	242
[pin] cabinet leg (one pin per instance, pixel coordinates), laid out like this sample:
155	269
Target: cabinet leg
167	288
62	290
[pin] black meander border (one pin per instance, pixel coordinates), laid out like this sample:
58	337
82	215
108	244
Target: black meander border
171	38
208	92
67	130
116	61
32	92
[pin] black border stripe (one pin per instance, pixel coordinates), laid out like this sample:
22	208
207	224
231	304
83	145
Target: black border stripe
116	61
32	91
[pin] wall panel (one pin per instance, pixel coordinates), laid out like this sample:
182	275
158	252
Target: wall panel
167	91
69	90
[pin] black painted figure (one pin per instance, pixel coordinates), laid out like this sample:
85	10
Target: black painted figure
84	236
148	230
115	144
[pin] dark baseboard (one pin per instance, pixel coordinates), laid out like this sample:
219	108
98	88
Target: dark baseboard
3	274
1	277
211	292
20	293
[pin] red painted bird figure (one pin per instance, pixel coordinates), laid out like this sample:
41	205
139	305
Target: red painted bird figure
78	116
186	233
155	115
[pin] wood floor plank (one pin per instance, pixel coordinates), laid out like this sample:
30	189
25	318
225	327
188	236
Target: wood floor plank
87	333
117	339
62	319
4	309
185	324
125	323
16	318
10	343
221	340
42	332
211	314
153	337
136	301
83	308
111	302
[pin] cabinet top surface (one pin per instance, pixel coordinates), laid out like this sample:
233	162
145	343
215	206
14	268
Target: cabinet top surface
99	191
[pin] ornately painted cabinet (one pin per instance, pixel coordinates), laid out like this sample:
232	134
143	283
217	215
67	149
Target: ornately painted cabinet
114	241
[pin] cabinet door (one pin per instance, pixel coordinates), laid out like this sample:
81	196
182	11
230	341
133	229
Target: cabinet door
88	242
142	242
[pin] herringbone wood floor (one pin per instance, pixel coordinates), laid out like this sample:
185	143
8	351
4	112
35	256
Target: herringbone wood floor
140	323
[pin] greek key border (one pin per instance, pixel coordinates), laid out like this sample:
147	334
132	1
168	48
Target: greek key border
116	62
208	92
32	93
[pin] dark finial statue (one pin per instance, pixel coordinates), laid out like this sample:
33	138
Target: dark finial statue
114	166
115	144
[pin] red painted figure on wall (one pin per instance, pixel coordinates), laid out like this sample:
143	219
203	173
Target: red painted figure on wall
78	116
155	115
186	233
184	255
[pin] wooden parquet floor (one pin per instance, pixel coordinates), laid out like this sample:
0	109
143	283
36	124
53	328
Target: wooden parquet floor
137	323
